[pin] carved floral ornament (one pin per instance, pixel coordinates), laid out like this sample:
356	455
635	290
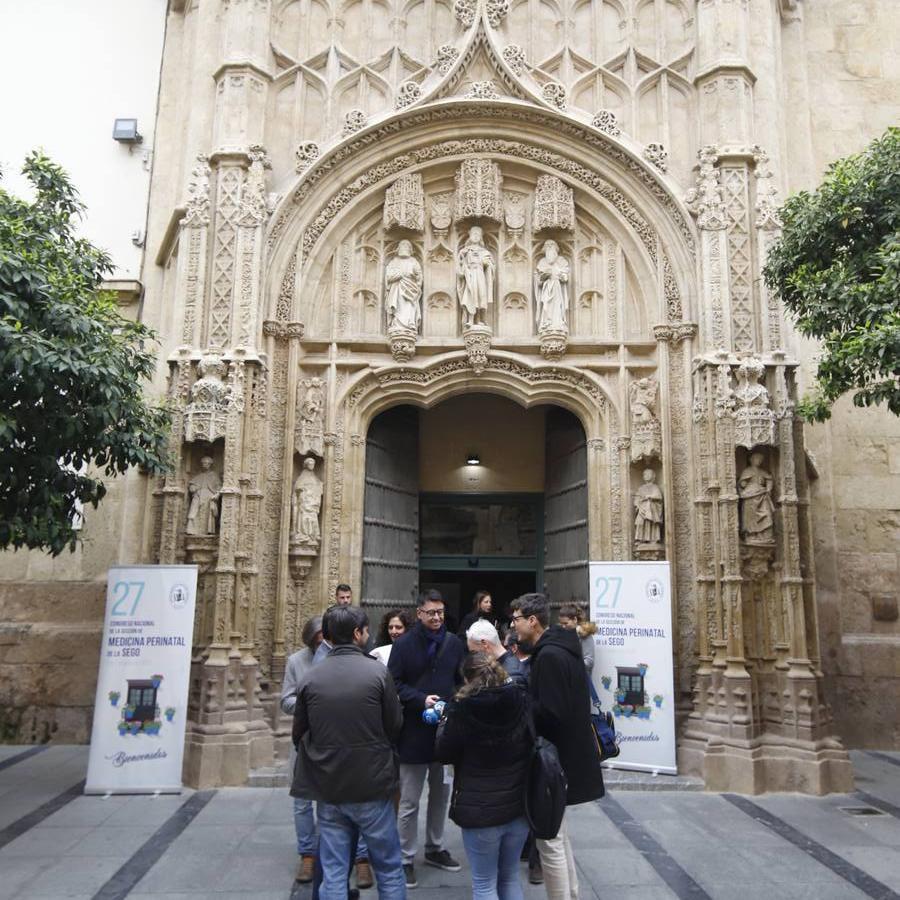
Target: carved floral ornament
466	11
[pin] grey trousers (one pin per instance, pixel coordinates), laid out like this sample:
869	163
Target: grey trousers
412	783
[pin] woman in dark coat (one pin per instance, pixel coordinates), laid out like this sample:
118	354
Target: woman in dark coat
485	735
482	608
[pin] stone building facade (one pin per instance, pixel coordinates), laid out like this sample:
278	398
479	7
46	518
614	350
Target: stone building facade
365	213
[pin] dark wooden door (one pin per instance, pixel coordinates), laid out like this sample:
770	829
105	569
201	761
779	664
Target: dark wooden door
390	572
565	510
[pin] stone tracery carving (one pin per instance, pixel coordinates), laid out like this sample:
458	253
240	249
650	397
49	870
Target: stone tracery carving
704	200
479	185
310	428
496	11
354	121
306	506
203	493
206	413
404	203
253	192
475	269
554	204
754	420
306	154
409	92
464	10
646	442
446	57
555	94
515	58
657	154
483	90
605	120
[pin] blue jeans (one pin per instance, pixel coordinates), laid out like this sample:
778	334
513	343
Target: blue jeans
305	826
377	825
494	859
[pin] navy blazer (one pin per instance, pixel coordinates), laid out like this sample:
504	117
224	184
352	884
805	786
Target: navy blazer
416	676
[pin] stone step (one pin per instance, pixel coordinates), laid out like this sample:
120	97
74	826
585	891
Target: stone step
614	779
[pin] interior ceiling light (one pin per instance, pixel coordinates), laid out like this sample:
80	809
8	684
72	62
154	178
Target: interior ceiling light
473	459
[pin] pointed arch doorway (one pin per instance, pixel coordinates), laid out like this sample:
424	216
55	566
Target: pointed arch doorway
512	522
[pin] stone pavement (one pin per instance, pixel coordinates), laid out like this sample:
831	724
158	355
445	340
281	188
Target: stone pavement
633	845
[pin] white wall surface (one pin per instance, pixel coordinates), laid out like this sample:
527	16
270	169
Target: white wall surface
68	68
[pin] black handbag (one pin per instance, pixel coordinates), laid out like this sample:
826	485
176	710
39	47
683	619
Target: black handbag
604	726
545	788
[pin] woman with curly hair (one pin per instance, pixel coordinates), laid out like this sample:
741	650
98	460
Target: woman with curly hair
394	624
485	735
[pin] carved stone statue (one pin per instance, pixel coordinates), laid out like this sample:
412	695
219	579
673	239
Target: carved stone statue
551	290
475	279
307	503
310	429
757	510
204	489
403	279
648	506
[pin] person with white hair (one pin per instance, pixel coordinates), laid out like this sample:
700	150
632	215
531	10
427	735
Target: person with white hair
482	637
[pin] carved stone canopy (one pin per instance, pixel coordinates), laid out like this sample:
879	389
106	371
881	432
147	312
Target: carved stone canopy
554	204
646	433
754	419
404	203
207	410
479	190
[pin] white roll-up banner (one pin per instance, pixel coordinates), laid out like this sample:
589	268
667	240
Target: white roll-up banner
140	711
631	605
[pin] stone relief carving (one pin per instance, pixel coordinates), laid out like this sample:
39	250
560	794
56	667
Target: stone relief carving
605	120
754	419
354	121
446	57
197	207
474	279
404	203
648	513
477	339
514	56
306	505
646	440
483	90
403	282
554	204
514	213
657	155
207	410
766	205
464	10
441	211
496	11
203	499
310	428
757	509
253	192
479	184
704	200
551	290
555	94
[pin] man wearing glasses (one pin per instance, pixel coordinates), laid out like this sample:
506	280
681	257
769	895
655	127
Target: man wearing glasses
425	664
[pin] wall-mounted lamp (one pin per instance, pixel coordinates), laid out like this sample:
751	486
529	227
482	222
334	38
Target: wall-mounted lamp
125	131
473	459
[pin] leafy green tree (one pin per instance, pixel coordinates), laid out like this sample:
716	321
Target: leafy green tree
836	267
71	370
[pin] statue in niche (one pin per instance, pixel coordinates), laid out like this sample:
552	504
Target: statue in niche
475	279
757	509
551	289
648	506
403	279
307	503
310	428
203	489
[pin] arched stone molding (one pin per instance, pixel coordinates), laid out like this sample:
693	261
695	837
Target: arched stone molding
508	375
581	155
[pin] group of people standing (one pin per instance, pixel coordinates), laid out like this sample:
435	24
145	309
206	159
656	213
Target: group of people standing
459	713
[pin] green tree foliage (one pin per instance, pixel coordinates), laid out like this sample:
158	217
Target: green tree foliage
837	270
71	370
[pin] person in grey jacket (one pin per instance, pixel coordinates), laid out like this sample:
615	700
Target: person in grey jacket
348	762
304	815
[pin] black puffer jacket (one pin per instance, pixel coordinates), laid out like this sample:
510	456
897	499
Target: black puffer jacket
486	737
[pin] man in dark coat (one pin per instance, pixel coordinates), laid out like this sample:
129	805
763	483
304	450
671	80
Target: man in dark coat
347	762
425	664
561	706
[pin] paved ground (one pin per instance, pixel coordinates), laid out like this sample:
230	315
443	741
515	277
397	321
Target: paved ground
633	845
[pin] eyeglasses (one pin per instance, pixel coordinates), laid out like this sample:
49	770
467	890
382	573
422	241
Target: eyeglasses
432	613
517	616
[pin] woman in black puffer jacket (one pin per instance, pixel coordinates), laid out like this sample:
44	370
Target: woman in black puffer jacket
485	735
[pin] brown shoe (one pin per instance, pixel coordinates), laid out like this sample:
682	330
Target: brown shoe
305	870
364	874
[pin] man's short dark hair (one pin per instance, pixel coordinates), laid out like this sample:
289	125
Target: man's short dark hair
533	605
343	587
432	596
339	622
